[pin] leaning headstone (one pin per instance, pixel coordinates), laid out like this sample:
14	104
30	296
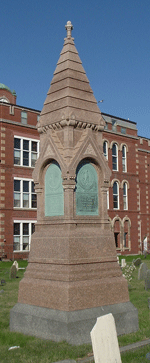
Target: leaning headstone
16	264
142	271
137	262
104	340
13	272
123	263
147	280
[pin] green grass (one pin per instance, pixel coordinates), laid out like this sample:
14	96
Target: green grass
38	350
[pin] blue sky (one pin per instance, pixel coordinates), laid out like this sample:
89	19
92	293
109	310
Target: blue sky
111	36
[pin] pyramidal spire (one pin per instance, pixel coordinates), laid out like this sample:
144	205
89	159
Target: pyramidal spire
70	95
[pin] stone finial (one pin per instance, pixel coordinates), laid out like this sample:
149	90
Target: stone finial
69	27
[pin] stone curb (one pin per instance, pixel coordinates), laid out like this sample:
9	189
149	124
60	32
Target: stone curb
134	346
124	349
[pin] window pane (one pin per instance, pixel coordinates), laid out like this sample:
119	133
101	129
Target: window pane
16	143
25	158
34	146
32	228
17	228
33	159
123	165
17	185
26	243
123	130
25	144
24	118
16	244
16	199
124	189
114	162
25	200
114	150
16	157
34	201
25	186
123	151
32	187
25	228
115	188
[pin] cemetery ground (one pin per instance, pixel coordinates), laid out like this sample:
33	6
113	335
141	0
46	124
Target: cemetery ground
36	350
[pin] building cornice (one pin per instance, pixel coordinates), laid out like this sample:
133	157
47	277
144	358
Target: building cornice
17	124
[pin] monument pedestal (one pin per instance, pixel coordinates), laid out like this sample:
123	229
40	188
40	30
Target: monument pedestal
77	280
72	326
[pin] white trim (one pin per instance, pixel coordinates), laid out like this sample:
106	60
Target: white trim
20	236
29	151
21	193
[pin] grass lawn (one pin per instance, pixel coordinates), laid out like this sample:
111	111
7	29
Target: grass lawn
38	350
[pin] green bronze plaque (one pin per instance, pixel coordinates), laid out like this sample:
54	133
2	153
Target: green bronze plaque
54	194
87	190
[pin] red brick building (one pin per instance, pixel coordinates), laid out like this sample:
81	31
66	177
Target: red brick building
128	157
19	141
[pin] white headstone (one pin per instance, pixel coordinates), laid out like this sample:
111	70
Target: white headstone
105	341
16	264
123	262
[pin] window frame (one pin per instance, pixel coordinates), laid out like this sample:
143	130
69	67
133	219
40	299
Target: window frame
24	117
21	240
124	159
106	151
22	150
116	195
115	157
125	196
24	194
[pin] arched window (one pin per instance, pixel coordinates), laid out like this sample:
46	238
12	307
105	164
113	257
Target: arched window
115	195
117	233
115	157
124	158
126	234
125	196
54	195
105	149
86	189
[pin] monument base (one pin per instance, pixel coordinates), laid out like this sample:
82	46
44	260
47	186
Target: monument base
72	326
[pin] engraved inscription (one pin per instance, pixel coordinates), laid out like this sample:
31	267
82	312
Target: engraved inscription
87	190
54	195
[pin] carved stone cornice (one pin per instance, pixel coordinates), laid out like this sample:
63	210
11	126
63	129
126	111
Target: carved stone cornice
70	122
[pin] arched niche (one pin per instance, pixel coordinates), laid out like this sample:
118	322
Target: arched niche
86	189
54	194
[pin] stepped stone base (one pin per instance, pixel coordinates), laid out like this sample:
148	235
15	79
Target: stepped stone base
72	326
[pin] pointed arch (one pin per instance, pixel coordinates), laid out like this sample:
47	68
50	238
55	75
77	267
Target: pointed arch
117	230
126	233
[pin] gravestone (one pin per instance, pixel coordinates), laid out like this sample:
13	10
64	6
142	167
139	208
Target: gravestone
137	262
123	262
104	340
13	272
72	275
147	280
142	271
15	263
